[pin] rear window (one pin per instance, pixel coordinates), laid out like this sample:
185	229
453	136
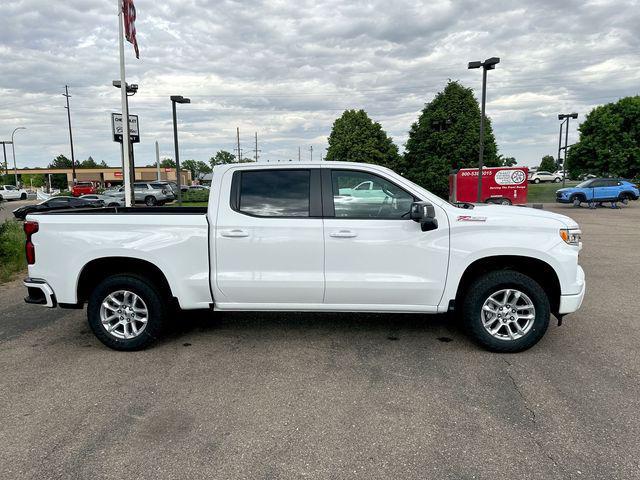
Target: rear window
277	193
83	184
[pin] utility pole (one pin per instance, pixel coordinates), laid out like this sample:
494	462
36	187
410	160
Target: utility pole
73	159
158	160
256	149
311	152
238	140
6	165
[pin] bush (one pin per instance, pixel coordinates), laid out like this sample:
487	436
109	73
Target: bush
12	256
192	196
64	193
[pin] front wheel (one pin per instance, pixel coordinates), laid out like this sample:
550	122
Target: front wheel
23	196
557	180
576	201
536	180
506	311
126	312
150	201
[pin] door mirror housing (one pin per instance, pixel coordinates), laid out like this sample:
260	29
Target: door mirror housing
425	214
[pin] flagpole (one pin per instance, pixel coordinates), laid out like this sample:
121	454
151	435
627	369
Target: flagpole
125	112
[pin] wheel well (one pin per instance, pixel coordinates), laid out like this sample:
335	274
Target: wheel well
97	270
581	196
538	270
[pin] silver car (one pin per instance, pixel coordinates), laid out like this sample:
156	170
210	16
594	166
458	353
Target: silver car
144	193
116	200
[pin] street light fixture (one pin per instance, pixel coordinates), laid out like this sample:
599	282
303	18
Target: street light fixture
177	99
488	64
565	119
13	149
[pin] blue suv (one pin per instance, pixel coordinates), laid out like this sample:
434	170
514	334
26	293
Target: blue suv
597	190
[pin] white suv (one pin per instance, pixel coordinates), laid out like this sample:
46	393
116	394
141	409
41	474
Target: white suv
542	176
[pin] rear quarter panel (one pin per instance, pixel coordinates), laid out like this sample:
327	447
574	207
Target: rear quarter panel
176	244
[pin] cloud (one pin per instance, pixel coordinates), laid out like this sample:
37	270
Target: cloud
287	69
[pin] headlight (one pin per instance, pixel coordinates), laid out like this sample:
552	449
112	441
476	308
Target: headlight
571	236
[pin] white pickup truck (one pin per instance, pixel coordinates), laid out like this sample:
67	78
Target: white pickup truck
303	237
9	192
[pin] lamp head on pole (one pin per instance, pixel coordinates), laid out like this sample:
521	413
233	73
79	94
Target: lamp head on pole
179	99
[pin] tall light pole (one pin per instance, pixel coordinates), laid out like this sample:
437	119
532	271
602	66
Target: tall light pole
128	163
488	64
73	159
177	99
13	149
565	117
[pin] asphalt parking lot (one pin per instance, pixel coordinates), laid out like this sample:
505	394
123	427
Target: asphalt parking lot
6	208
242	395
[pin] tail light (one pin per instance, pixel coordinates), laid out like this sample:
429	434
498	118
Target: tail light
29	229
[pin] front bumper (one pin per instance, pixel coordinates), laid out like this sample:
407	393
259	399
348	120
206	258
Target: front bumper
571	303
39	293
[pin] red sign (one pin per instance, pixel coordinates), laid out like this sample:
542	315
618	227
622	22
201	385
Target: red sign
117	174
129	10
168	169
506	185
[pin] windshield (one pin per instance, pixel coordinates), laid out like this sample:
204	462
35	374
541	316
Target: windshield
585	184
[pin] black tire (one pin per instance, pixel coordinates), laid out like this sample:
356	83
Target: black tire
557	180
576	200
624	198
150	201
113	205
536	180
1	198
153	299
505	201
488	284
23	196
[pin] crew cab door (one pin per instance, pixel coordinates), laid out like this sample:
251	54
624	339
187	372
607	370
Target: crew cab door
269	246
375	256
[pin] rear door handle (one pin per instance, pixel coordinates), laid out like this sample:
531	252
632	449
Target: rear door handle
343	234
235	233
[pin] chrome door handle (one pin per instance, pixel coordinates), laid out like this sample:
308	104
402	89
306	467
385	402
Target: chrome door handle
235	233
343	234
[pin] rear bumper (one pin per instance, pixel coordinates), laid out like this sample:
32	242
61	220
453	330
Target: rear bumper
571	303
39	293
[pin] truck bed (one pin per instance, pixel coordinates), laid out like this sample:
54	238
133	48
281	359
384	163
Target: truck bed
173	239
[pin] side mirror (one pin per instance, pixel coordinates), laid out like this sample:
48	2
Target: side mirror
425	214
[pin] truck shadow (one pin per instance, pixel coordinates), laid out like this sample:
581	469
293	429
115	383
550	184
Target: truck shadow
393	327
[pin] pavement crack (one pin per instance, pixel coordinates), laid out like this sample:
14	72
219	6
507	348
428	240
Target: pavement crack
532	413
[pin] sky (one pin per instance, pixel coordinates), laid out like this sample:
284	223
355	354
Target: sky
287	69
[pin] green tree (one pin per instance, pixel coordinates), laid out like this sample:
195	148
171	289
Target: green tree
221	157
34	179
88	163
60	162
356	138
609	141
196	167
446	137
507	161
104	164
167	163
548	164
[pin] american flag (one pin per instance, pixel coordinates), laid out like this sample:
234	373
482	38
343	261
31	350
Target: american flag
129	10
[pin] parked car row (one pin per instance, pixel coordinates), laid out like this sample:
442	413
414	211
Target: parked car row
57	203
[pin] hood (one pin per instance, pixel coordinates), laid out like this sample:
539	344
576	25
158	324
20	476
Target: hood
567	189
504	212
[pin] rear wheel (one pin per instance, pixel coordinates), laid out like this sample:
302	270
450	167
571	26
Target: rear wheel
624	198
506	311
150	201
126	312
505	201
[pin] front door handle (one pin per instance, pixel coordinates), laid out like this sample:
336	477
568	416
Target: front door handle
343	234
235	233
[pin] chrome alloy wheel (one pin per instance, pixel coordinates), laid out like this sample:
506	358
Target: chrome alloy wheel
508	314
124	314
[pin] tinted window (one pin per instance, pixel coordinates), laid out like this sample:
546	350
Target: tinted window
10	187
598	183
159	186
58	202
277	193
382	199
140	186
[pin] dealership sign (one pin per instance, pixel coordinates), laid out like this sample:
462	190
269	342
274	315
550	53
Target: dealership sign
116	127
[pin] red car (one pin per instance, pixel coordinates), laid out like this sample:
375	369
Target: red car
83	188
